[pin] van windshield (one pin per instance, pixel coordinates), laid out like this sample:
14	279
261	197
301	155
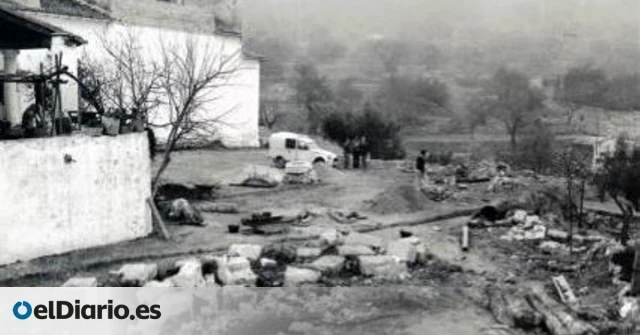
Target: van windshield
306	144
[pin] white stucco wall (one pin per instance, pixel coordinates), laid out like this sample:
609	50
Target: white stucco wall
236	105
50	207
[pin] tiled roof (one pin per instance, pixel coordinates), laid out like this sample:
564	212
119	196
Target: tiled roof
77	8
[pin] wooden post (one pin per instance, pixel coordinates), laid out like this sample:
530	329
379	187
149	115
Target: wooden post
465	238
157	218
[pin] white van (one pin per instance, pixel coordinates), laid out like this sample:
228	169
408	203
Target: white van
291	147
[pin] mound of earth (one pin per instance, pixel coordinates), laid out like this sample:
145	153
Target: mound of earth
399	199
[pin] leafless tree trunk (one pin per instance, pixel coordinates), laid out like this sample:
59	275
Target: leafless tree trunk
192	76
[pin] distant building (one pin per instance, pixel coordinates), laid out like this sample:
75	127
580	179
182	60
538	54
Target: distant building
152	22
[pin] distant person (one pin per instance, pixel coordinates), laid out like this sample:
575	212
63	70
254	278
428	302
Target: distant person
347	149
364	151
31	118
356	153
421	162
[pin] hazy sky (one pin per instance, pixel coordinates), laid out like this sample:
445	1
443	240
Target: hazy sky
587	28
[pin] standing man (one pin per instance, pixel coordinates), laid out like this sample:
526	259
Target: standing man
347	149
420	167
357	147
364	145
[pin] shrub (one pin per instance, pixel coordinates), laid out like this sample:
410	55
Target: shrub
384	141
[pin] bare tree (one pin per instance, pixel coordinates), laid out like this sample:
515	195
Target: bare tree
270	114
173	90
514	102
191	79
125	81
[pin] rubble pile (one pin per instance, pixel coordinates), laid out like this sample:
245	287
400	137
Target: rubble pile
340	255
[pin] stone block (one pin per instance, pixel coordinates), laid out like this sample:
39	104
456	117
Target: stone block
189	275
404	250
328	264
305	253
296	276
385	266
137	274
235	271
81	282
355	250
250	251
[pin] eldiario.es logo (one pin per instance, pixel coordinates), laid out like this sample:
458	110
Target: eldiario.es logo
63	310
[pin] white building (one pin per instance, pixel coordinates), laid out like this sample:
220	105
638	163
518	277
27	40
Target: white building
156	24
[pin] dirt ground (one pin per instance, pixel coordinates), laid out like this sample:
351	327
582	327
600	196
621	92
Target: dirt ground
383	193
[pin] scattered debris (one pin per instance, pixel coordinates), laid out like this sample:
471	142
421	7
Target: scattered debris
520	233
282	253
374	242
172	191
564	290
258	181
558	319
557	235
218	207
345	218
405	234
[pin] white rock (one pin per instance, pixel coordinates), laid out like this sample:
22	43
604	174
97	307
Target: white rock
267	262
421	248
304	253
552	247
328	264
519	216
249	251
137	274
531	221
537	232
160	284
385	266
234	271
81	282
296	276
355	250
404	250
331	238
210	281
189	275
630	309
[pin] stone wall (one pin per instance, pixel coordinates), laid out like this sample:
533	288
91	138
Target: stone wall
68	193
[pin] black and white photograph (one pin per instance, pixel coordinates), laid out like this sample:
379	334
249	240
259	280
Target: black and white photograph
288	167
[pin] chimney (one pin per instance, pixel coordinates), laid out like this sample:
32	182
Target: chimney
30	3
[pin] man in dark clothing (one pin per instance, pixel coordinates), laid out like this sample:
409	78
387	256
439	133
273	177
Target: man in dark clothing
420	166
364	145
356	153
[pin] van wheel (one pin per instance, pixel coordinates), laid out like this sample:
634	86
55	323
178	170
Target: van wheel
280	162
